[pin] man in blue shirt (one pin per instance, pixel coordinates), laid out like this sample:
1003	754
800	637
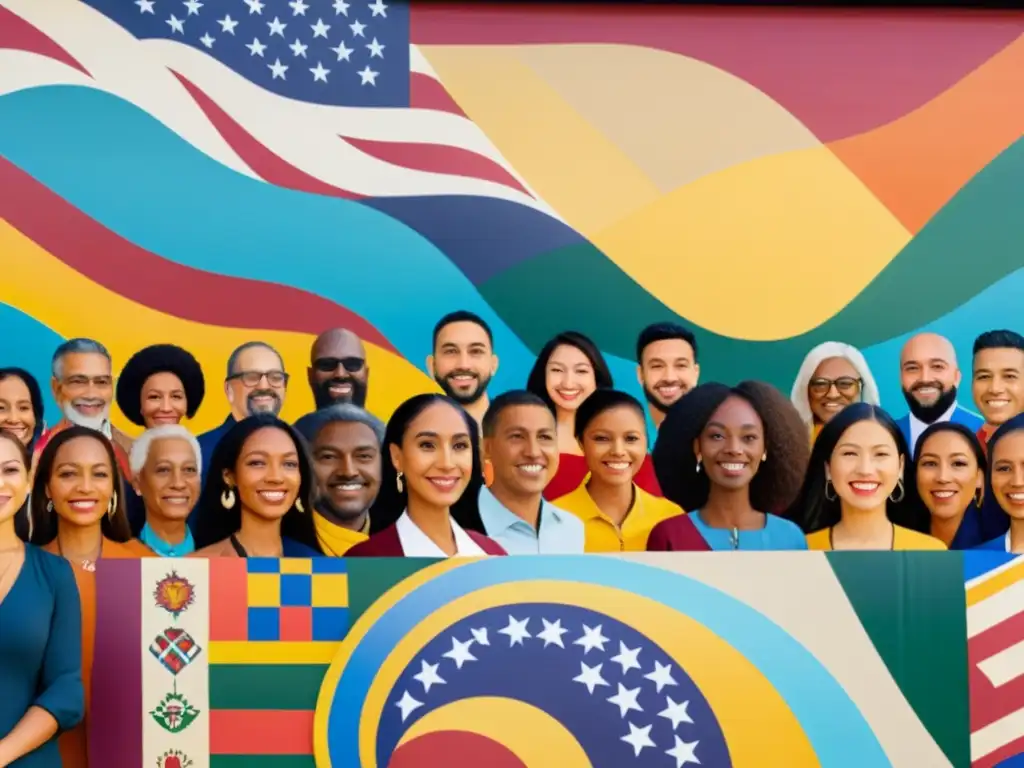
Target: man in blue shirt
521	444
929	376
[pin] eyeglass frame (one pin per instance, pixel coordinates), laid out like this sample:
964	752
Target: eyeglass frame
816	384
346	362
241	376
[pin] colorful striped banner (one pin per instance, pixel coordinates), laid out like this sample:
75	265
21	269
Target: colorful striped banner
213	664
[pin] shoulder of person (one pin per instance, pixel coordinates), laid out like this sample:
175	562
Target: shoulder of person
487	544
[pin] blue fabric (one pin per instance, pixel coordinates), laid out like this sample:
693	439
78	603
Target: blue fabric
998	544
561	532
959	416
292	548
778	534
41	650
162	548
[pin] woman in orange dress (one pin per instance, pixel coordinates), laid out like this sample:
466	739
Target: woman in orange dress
77	511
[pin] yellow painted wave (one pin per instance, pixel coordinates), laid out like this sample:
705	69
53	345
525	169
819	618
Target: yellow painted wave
40	285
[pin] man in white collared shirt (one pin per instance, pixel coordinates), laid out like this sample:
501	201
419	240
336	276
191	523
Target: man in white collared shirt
521	444
929	376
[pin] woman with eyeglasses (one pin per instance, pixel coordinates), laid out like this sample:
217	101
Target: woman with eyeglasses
832	376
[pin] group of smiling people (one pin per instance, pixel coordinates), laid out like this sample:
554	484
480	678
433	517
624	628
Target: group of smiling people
732	468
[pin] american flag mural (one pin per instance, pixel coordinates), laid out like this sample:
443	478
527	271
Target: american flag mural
213	171
995	630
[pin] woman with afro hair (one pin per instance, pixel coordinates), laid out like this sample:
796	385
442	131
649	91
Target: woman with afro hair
733	456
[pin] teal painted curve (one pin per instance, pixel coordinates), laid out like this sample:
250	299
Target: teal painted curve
27	343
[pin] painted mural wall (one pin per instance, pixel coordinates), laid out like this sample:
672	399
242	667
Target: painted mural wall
772	178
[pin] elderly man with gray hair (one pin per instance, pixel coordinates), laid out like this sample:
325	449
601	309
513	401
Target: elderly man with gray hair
166	466
83	386
345	446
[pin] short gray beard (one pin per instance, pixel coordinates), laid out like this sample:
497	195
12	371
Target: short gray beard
91	422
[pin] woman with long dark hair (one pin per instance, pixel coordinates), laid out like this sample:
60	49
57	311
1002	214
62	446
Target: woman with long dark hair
430	481
1006	483
259	493
41	639
857	493
734	457
949	467
77	511
21	406
568	369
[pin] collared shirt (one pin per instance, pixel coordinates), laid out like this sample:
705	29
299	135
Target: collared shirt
917	426
336	540
415	543
561	533
148	537
603	535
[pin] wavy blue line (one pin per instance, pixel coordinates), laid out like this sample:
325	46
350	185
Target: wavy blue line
832	722
27	343
998	306
131	173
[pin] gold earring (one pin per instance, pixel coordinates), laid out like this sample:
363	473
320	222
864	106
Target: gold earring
227	499
298	505
399	483
112	506
979	497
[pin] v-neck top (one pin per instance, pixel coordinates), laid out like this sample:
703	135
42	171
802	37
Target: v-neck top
41	650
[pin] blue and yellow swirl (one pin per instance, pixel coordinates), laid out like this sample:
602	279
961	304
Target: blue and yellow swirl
774	702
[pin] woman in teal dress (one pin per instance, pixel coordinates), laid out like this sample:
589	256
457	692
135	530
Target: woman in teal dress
41	640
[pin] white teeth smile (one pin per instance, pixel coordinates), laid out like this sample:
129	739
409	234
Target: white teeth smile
176	499
617	465
444	483
998	403
732	467
865	486
1016	496
834	406
349	486
569	393
273	496
927	390
943	494
83	506
533	469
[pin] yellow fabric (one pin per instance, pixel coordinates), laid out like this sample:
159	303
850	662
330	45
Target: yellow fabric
602	535
336	540
904	539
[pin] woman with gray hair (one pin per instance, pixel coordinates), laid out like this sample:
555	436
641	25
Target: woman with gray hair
166	466
345	448
832	376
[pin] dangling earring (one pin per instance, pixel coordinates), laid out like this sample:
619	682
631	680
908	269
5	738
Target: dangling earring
298	505
828	485
399	483
764	456
112	506
901	489
49	505
979	497
227	499
699	459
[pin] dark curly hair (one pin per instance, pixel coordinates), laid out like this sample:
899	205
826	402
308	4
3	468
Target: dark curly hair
215	523
814	511
785	437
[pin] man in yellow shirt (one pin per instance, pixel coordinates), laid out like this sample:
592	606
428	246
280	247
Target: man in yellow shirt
345	445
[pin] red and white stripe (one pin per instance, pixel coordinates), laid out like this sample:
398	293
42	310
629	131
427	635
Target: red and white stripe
428	149
995	647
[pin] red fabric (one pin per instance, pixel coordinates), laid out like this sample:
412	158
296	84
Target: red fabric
119	452
677	534
572	469
387	544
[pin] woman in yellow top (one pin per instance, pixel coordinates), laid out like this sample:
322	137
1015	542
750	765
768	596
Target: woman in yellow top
859	493
617	514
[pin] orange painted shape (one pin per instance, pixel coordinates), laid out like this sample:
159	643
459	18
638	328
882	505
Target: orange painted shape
916	164
261	732
229	612
296	623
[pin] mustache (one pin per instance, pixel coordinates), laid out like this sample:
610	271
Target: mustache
88	401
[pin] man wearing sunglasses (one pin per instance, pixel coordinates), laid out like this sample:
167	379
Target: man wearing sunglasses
255	383
337	371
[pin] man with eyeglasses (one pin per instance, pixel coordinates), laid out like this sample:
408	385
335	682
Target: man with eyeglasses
255	383
337	371
83	386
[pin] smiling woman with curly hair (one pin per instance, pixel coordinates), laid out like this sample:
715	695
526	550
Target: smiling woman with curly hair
731	455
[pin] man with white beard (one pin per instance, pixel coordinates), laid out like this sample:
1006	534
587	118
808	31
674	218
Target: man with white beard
83	386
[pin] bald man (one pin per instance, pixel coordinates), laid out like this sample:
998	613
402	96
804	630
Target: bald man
929	376
337	371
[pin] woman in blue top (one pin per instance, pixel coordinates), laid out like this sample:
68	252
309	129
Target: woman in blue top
258	497
41	641
1006	483
732	456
